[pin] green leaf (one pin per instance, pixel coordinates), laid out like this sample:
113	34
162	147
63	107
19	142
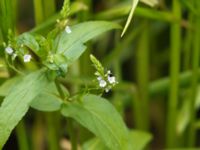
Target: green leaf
100	117
138	141
48	100
151	3
37	43
72	45
183	116
16	104
135	3
8	84
94	144
28	40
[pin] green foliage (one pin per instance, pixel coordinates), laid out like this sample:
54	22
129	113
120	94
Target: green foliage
138	140
98	66
16	103
56	55
100	117
65	9
64	82
48	100
8	85
7	17
135	2
72	45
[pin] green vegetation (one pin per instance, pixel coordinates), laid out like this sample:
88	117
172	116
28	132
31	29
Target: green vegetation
99	75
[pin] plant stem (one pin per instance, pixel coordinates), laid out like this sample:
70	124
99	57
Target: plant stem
49	8
60	91
22	136
8	11
143	76
69	120
71	131
38	11
174	76
194	83
52	136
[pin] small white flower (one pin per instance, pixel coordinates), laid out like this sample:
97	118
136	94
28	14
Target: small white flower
68	30
9	50
99	78
27	58
102	83
111	80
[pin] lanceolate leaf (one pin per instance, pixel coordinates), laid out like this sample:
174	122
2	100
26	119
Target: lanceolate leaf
135	3
94	144
100	117
16	104
8	84
72	45
150	2
28	40
48	100
137	141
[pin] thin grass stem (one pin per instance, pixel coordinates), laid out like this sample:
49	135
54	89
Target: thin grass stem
175	37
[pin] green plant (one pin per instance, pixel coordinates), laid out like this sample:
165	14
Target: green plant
42	89
141	93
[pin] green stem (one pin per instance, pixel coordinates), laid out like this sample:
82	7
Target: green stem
8	11
158	87
49	8
187	46
52	136
72	133
143	76
22	136
194	83
69	120
174	76
38	11
59	88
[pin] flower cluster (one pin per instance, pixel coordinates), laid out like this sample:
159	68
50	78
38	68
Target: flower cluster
10	51
107	81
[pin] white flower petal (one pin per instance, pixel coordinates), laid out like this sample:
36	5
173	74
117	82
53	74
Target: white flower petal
99	78
9	50
68	29
27	58
111	80
102	83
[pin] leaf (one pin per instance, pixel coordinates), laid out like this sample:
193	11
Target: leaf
8	84
48	100
16	104
72	45
100	117
28	40
135	3
138	141
183	116
151	3
37	43
94	144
